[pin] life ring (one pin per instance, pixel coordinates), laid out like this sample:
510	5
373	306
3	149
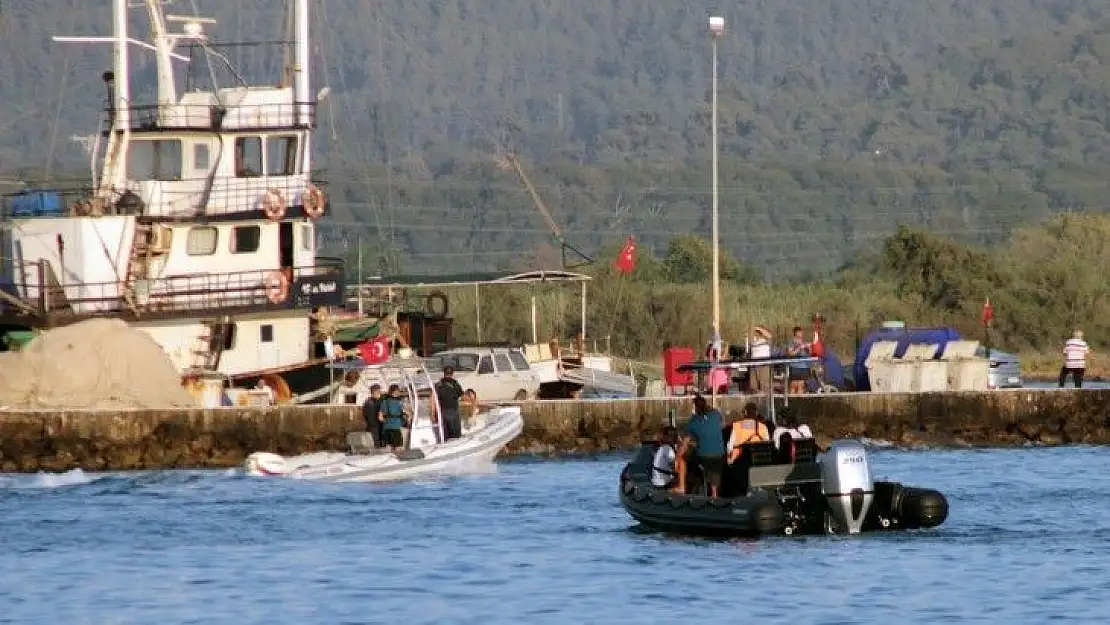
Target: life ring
313	201
277	287
430	307
273	204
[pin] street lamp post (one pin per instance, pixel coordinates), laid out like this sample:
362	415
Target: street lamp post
716	29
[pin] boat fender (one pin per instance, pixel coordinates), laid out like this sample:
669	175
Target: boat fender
313	201
640	493
431	308
719	503
698	502
277	287
659	497
627	487
677	501
409	454
273	204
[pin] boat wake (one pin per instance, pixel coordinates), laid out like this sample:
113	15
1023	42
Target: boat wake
43	480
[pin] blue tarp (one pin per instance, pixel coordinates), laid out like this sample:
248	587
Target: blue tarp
905	338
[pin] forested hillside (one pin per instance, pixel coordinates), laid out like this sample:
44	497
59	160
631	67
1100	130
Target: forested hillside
839	119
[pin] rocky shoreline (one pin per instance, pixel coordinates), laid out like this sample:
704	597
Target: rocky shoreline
33	441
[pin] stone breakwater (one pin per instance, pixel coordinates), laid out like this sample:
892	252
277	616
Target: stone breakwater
223	437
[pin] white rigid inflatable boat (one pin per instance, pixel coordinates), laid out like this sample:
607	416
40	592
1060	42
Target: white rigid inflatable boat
483	436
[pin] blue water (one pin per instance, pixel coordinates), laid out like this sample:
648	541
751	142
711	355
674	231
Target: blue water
543	542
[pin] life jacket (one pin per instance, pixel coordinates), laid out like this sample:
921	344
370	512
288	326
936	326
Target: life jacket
747	430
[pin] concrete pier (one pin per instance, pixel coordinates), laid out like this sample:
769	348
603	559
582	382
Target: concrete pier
222	437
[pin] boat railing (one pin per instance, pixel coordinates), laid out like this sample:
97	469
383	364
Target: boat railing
41	291
176	198
212	115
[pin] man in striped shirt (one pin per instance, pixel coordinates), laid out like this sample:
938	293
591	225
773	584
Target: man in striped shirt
1075	359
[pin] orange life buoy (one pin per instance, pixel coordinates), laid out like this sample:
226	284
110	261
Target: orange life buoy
277	287
314	201
274	204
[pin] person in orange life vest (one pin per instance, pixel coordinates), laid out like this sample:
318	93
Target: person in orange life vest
749	428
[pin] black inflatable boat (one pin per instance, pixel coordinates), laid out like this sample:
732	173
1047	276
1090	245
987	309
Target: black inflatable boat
813	493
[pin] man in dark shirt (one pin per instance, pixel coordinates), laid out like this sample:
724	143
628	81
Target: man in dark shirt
449	392
370	409
704	444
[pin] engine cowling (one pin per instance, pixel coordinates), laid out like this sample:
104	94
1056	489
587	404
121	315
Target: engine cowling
847	484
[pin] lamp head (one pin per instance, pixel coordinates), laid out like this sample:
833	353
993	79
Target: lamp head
716	26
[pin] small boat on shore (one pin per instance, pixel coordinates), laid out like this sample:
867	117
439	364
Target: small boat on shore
794	489
483	436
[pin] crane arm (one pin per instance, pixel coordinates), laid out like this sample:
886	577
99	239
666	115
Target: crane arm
555	232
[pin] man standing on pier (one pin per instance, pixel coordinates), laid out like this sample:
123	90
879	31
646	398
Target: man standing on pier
1075	359
449	392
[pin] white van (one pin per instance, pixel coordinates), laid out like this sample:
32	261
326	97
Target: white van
495	373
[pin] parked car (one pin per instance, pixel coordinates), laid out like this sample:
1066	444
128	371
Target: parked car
1005	368
495	373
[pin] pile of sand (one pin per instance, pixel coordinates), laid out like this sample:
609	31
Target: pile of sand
97	364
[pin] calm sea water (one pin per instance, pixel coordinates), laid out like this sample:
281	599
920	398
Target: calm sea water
543	542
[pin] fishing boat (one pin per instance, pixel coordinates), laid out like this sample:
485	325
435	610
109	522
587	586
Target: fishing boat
199	223
792	488
483	436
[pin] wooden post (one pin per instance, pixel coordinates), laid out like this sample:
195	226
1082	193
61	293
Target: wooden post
478	313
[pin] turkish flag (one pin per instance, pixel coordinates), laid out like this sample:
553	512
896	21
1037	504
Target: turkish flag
375	351
988	312
626	261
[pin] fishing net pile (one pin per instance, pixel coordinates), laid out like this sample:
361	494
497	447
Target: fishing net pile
96	364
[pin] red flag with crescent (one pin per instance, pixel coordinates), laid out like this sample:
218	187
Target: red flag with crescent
375	351
626	261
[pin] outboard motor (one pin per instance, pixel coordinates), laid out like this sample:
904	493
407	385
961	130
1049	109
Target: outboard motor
847	484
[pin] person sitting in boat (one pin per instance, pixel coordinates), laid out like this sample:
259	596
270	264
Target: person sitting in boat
662	473
786	433
392	417
751	427
470	406
703	444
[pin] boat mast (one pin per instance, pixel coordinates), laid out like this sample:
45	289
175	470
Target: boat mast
301	96
163	44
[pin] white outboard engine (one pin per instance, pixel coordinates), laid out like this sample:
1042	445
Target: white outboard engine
847	484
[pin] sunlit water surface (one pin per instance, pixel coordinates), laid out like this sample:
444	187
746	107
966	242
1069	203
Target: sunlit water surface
543	542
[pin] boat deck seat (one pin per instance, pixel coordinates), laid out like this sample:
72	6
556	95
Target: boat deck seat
784	474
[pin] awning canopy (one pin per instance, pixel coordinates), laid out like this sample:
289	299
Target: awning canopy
470	279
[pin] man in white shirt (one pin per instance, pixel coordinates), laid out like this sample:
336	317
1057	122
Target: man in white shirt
1075	359
662	466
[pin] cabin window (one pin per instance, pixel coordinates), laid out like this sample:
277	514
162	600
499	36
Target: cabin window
248	157
266	333
458	362
200	156
281	155
158	159
485	365
520	363
245	239
502	361
201	241
306	238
